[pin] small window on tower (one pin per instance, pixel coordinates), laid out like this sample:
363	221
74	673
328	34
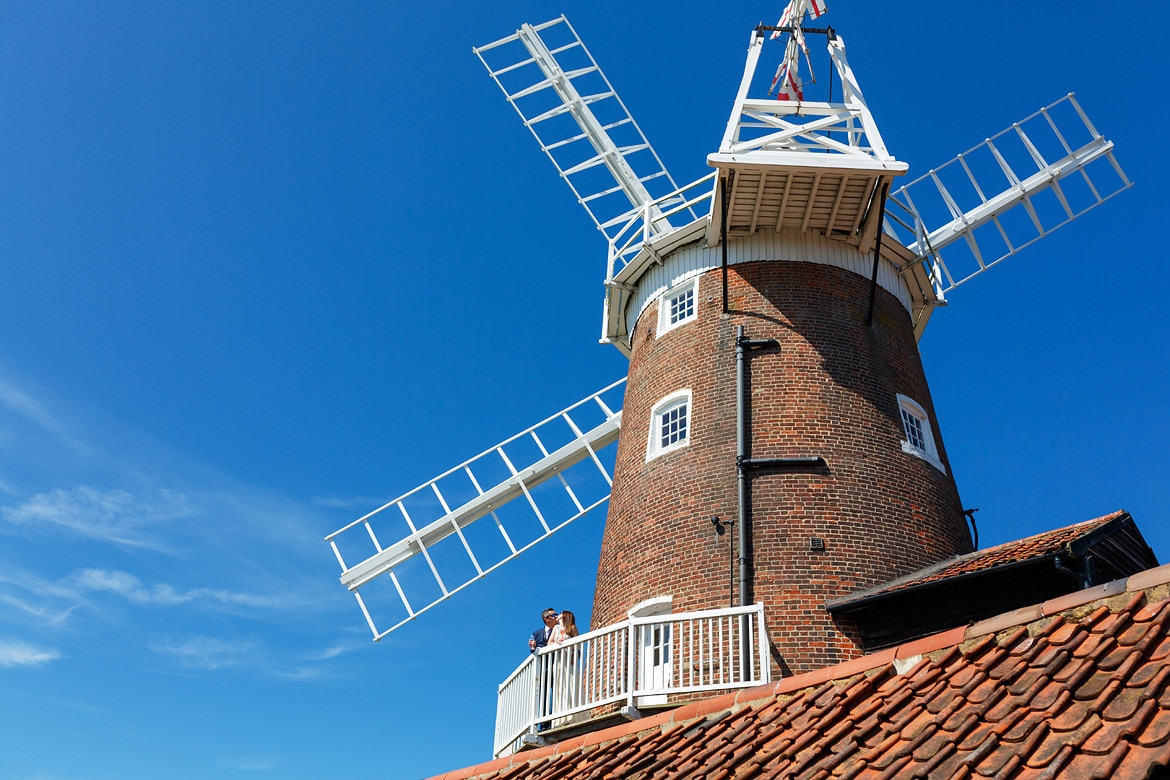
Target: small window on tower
919	440
670	426
677	305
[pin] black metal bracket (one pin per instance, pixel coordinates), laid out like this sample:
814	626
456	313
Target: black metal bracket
796	463
829	31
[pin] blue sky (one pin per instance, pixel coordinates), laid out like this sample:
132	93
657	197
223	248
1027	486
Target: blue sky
268	265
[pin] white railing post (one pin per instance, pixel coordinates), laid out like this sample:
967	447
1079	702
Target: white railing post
765	655
631	663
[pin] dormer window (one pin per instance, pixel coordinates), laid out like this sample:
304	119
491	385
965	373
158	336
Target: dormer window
678	305
670	424
919	440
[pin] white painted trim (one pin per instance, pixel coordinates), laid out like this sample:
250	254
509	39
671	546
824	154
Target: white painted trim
930	452
659	605
676	399
784	246
664	305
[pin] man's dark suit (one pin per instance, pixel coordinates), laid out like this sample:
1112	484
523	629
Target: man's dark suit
540	637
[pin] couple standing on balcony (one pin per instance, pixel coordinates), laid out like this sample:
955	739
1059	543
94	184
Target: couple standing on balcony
557	630
563	691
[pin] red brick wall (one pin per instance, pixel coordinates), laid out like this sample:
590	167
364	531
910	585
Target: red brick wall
829	390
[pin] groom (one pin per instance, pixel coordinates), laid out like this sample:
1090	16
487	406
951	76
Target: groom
540	636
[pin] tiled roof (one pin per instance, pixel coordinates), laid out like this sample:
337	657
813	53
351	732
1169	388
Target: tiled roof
1032	547
1074	687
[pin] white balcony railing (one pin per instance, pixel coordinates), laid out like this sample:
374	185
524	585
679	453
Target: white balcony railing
637	662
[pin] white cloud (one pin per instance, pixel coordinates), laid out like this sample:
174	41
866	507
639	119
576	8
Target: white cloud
23	654
20	403
115	516
131	588
54	617
127	586
87	503
299	673
359	504
205	653
332	652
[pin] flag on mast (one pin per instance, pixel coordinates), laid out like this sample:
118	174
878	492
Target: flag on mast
787	74
795	10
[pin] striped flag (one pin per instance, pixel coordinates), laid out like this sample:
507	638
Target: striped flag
794	13
787	74
790	12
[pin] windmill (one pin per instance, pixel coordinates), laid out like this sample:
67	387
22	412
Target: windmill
770	311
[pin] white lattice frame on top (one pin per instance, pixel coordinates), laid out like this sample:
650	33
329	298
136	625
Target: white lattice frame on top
807	127
806	164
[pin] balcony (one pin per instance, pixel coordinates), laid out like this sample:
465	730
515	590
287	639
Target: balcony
641	662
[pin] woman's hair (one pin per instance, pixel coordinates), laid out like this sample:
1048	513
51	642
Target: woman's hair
569	622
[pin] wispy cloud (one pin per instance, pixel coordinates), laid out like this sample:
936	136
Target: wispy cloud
116	516
206	653
131	588
23	654
349	503
46	614
20	403
157	534
333	652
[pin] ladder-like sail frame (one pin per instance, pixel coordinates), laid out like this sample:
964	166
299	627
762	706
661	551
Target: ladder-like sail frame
388	555
980	191
524	66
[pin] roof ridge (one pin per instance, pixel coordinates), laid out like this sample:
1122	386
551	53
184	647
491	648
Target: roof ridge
912	579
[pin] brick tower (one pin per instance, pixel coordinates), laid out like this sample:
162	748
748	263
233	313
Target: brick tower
883	502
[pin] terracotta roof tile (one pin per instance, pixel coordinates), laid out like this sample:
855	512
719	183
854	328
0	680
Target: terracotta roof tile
1048	749
1055	767
1053	698
1083	693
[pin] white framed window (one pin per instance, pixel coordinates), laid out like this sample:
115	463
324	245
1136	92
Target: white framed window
919	440
678	305
670	424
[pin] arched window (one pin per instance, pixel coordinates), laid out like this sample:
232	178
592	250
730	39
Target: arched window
670	424
919	440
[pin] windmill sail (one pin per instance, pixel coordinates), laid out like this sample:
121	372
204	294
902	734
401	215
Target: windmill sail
556	86
421	548
997	198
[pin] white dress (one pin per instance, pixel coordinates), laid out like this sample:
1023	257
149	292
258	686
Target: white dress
565	687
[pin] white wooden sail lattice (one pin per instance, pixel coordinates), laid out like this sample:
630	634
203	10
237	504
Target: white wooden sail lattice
1000	196
424	546
556	86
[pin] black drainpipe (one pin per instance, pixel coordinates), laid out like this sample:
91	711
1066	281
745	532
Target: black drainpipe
877	250
744	464
1085	572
